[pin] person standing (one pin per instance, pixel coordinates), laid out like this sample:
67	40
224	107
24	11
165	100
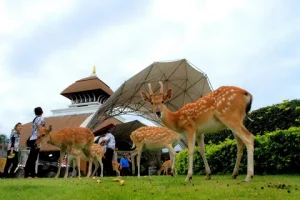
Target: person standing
109	139
30	170
13	151
125	165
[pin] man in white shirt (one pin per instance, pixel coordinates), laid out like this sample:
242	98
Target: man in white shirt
110	143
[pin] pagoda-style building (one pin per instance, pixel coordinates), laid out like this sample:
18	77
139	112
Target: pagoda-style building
86	96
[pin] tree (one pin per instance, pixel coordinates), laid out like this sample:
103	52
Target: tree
3	138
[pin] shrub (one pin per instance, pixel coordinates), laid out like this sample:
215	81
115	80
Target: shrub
276	152
279	116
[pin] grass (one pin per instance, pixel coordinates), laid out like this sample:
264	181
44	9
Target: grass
220	187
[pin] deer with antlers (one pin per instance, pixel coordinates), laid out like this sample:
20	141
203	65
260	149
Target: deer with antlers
225	107
67	139
152	137
164	167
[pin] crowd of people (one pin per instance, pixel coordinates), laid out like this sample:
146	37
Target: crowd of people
107	141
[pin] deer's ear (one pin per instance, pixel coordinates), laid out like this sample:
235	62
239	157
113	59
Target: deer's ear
50	128
168	95
40	128
145	97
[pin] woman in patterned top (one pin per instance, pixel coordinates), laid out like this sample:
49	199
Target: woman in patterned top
34	150
12	151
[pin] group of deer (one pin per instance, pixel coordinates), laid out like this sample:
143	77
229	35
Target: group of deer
75	142
223	108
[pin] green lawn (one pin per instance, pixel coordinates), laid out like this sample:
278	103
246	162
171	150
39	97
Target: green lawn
220	187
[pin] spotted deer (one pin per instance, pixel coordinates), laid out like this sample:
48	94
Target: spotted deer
151	137
164	167
116	167
67	139
97	153
225	107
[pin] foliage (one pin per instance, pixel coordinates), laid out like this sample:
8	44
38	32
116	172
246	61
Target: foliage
275	153
3	138
267	119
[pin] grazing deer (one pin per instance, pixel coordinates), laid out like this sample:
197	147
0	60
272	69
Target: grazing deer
67	139
152	137
164	167
116	167
225	107
97	153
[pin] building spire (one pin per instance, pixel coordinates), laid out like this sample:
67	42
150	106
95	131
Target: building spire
94	70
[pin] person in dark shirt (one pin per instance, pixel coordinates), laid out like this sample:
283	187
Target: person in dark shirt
13	151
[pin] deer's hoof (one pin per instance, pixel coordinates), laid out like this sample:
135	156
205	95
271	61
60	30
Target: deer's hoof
234	176
208	177
188	179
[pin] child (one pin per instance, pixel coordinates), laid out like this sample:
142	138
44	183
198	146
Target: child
125	165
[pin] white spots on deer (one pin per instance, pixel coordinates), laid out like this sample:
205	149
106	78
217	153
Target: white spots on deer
225	109
153	138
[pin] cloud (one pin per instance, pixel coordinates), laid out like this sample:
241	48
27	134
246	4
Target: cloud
45	47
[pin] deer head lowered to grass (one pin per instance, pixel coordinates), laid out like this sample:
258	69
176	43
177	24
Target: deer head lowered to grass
97	153
225	107
67	139
164	167
152	137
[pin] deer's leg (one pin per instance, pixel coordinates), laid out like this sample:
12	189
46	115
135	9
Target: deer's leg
74	167
139	153
101	165
132	155
117	169
78	165
240	148
172	157
90	166
237	127
60	161
67	167
201	145
248	140
191	145
87	153
96	167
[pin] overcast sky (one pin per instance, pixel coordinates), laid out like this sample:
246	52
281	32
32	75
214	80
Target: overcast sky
46	45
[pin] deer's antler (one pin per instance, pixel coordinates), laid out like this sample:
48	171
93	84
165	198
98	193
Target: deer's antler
161	87
150	89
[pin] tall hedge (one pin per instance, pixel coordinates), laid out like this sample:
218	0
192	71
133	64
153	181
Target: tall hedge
275	153
279	116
